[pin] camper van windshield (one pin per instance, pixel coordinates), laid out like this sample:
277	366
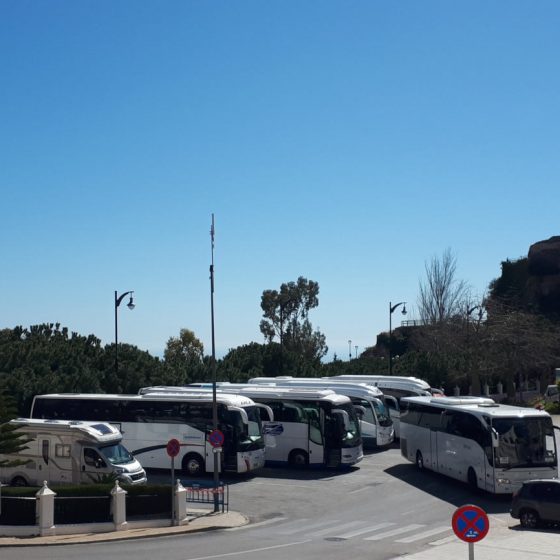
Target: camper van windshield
116	454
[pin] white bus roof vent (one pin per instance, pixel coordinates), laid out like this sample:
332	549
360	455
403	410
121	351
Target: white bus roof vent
481	401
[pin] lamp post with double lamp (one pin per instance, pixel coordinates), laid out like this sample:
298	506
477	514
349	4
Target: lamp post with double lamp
391	310
131	306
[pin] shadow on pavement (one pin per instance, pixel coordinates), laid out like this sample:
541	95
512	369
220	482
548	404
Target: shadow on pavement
449	490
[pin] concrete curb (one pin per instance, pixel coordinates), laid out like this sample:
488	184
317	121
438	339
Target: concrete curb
202	522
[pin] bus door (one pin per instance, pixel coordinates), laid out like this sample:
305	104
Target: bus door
316	445
434	449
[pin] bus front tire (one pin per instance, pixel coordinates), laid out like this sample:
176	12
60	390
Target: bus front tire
419	461
193	464
298	459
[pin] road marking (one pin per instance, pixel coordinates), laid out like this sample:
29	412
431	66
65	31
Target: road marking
299	527
394	532
225	554
364	530
330	529
259	524
423	535
445	540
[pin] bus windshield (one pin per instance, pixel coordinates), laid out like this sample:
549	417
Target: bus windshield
525	442
382	413
346	436
241	436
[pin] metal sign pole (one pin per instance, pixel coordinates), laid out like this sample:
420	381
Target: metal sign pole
471	551
173	490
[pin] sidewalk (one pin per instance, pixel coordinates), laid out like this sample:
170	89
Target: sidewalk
199	521
505	541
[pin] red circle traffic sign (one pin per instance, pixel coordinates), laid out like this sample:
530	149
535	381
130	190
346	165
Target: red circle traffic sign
470	523
216	438
173	447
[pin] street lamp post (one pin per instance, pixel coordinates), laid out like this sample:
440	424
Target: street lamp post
391	309
131	306
356	348
349	350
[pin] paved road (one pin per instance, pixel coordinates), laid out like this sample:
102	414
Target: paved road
382	510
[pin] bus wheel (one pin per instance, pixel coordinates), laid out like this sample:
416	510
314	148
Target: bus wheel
529	518
193	465
419	460
471	479
298	458
18	481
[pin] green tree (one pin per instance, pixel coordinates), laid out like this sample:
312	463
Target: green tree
286	317
10	441
184	358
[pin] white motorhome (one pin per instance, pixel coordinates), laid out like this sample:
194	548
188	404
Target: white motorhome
69	452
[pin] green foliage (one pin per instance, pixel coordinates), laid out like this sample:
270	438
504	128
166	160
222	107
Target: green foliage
184	359
286	317
11	441
511	287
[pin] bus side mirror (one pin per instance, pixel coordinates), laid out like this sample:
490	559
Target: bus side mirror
360	410
345	418
495	438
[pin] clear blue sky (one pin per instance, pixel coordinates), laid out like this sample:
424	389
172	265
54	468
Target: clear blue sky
348	142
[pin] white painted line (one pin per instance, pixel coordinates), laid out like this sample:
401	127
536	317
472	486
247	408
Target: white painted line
331	529
423	535
311	526
259	524
242	552
451	538
364	530
394	532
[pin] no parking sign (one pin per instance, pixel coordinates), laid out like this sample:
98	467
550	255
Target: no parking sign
470	523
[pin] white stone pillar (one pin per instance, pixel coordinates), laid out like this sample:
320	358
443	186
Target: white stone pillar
500	388
45	510
180	497
456	391
118	507
486	390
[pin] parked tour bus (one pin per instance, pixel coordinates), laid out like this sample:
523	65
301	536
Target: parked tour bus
490	446
375	421
311	428
148	422
67	452
395	386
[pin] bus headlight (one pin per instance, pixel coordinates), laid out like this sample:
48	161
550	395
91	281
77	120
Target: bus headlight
503	481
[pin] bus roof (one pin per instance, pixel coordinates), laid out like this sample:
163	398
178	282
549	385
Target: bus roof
482	405
349	389
253	391
374	379
226	399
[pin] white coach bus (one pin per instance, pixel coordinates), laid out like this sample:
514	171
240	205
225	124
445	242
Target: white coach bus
375	421
311	428
148	422
490	446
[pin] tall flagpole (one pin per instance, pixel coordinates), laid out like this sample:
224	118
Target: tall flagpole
214	403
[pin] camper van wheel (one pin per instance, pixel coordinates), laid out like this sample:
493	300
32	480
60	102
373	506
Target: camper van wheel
471	479
298	458
193	464
419	460
19	481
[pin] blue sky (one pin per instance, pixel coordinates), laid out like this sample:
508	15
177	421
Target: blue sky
348	142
